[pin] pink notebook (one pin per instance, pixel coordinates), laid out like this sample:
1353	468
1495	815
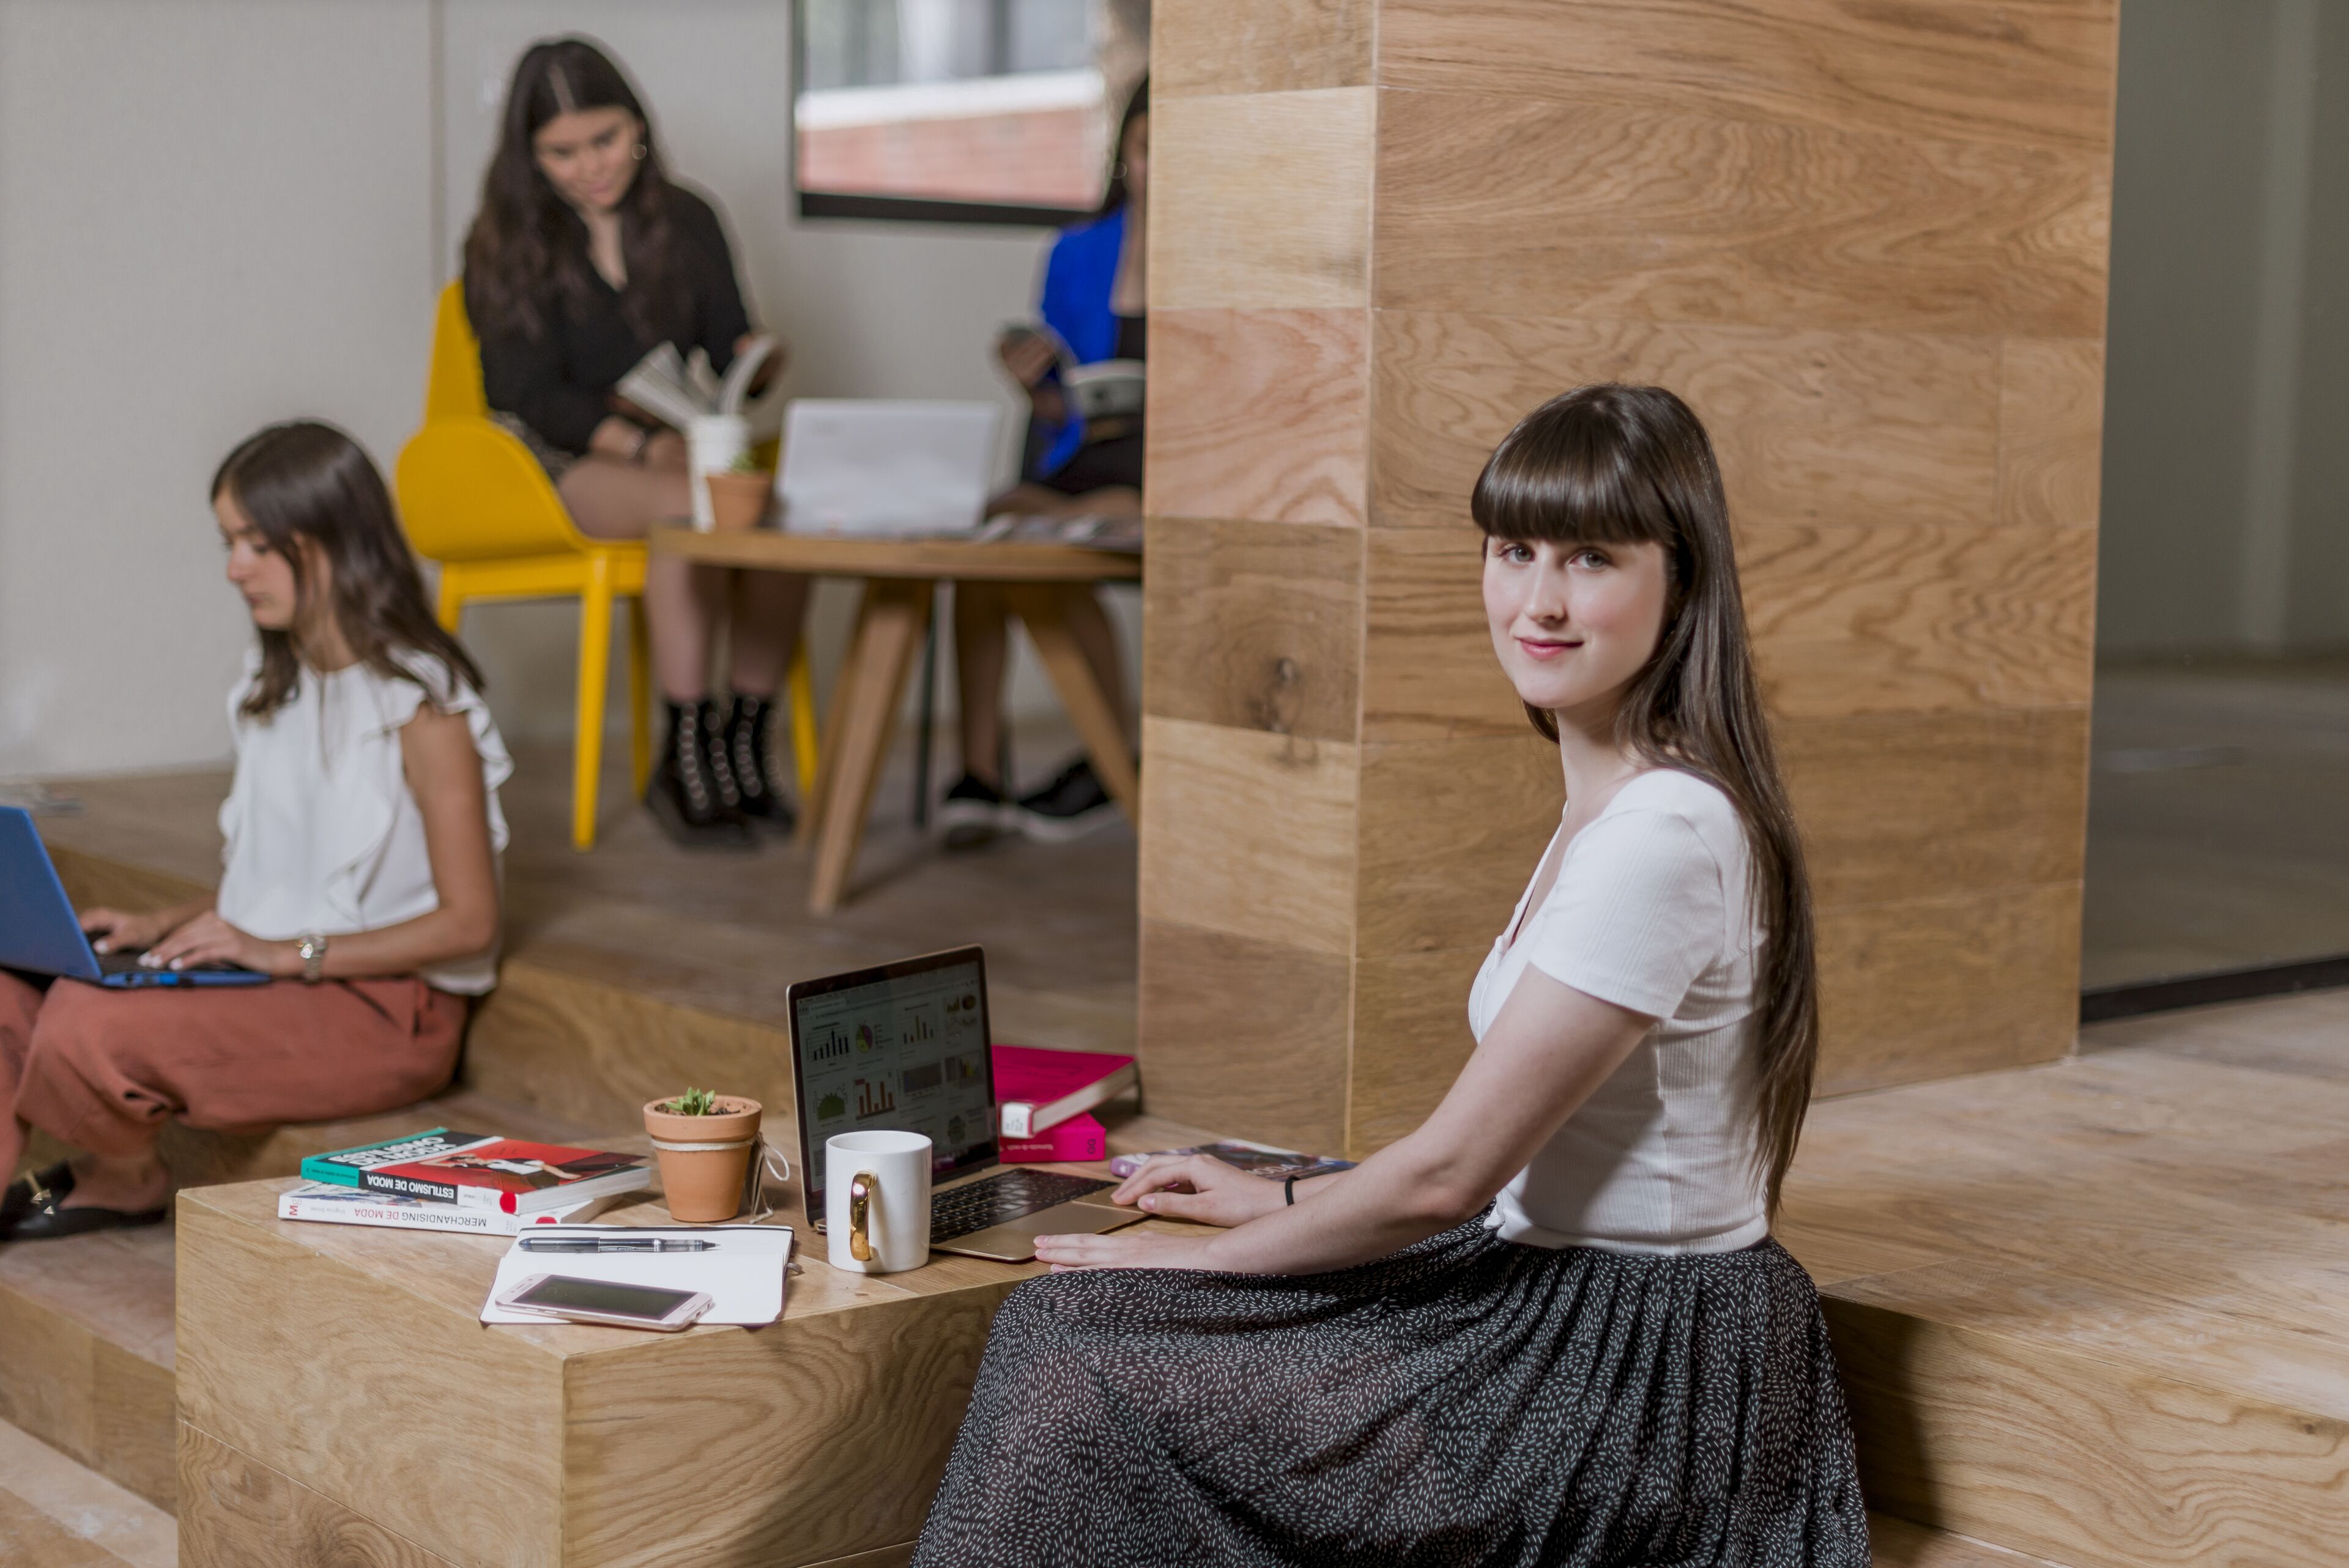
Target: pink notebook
1037	1088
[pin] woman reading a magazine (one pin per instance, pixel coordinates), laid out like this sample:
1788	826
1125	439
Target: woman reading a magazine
1093	307
1549	1325
360	868
584	258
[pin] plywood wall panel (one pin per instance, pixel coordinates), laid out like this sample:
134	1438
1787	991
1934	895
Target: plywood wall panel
1934	988
1260	200
2051	431
1411	1039
1258	414
1522	207
2036	74
1259	46
1920	618
1835	427
1244	1037
1249	833
1450	832
1255	625
1924	806
1429	672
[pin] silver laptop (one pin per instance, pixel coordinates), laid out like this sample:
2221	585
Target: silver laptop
903	1047
878	466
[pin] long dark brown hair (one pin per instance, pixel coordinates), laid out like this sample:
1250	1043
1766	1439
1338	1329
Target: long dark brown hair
1624	465
526	237
1113	193
306	486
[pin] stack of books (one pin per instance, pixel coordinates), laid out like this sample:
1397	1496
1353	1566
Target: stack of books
1044	1098
465	1181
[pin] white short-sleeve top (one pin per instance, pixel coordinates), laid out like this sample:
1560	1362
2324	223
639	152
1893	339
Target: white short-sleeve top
1650	912
320	829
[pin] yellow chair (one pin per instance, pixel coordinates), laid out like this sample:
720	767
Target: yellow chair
474	499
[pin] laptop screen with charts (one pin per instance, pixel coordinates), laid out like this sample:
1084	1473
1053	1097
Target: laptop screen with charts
40	933
898	1049
877	467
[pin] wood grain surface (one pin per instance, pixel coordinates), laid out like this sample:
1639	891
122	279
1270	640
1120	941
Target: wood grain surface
1429	671
1932	987
1818	427
1411	1038
1449	834
1258	414
1253	626
86	1353
1259	47
1920	618
1494	203
1920	806
2037	74
241	1514
1260	200
1249	833
1245	1034
2051	431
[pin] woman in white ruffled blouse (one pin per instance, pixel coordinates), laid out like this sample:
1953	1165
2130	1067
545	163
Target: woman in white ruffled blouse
360	868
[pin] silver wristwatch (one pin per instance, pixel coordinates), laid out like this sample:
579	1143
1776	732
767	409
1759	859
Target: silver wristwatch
313	949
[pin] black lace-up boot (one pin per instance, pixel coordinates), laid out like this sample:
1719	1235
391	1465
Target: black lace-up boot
749	764
687	794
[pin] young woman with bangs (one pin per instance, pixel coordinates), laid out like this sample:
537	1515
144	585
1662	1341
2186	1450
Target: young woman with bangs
1550	1326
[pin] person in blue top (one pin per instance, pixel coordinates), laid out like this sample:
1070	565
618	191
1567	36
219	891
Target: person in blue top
1093	303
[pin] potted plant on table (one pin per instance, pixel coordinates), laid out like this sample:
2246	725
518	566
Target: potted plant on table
705	1142
739	497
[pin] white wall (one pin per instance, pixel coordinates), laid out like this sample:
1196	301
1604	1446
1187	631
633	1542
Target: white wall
210	218
2226	490
240	211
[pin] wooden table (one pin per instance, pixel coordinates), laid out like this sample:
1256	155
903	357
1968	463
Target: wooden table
901	578
339	1402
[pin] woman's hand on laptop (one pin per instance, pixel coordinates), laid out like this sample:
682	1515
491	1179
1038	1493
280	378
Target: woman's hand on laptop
113	930
209	939
1201	1187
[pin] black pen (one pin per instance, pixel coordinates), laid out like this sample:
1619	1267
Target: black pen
613	1244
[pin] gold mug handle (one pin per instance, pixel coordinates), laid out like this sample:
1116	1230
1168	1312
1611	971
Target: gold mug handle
861	1188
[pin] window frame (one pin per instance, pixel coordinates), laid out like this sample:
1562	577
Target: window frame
858	207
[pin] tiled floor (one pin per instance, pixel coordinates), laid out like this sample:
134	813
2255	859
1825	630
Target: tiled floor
56	1514
2218	817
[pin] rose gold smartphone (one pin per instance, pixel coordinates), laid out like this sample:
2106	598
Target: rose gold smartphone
599	1301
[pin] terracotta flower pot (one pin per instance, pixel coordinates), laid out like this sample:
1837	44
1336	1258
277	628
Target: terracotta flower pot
738	501
705	1185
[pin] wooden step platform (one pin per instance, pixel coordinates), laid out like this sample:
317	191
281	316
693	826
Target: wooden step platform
54	1513
2098	1312
85	1324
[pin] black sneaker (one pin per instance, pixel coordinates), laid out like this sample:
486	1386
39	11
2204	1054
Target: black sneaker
974	812
1069	807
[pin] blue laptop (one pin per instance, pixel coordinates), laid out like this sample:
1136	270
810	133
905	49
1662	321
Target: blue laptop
41	933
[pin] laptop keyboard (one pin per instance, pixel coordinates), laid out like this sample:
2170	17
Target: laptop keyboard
1006	1196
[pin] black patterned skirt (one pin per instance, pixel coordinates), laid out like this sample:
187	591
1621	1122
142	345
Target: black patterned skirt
1467	1401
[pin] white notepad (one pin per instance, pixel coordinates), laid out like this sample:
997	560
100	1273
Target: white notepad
743	1273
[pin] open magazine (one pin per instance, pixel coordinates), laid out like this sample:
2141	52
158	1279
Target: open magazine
678	391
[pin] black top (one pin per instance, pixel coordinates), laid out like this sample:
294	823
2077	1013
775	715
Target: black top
558	384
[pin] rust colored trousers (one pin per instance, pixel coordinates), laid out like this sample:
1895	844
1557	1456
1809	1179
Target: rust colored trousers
102	1071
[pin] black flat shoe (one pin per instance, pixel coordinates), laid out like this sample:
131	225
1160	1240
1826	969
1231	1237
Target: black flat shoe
26	1191
50	1220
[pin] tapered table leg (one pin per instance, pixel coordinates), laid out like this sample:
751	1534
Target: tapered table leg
1042	606
872	688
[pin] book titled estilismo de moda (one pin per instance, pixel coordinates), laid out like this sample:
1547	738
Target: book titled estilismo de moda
511	1176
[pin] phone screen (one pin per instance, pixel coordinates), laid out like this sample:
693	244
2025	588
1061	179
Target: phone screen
566	1295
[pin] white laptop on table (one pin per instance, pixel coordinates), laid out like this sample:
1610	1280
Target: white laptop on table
881	467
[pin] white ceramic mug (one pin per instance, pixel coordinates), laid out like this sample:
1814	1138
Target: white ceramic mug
876	1200
711	444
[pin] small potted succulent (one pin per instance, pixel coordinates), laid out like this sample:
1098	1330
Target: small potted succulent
707	1143
739	497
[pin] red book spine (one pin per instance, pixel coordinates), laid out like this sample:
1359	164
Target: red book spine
1079	1137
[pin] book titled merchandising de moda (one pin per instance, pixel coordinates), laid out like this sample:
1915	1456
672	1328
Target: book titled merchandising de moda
511	1176
331	1204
